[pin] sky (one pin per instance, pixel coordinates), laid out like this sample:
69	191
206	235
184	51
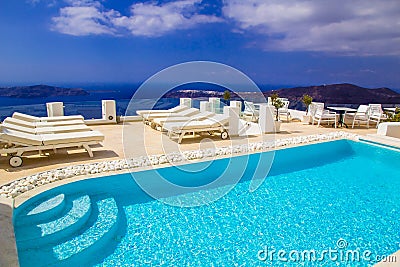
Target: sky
277	42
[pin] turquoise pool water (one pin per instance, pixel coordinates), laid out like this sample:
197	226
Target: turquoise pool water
316	197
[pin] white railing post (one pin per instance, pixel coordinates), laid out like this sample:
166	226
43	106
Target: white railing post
233	114
205	106
185	101
55	109
215	104
266	119
237	104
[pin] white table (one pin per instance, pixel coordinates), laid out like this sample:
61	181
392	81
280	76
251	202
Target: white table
342	111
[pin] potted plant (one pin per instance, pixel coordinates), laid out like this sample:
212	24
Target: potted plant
307	99
277	103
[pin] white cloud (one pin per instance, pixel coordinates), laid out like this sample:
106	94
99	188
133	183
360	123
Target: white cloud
33	2
83	17
89	17
48	3
353	27
150	19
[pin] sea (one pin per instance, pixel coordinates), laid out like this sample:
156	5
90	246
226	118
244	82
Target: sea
90	105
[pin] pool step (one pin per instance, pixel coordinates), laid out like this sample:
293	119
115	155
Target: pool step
97	236
51	232
44	211
97	233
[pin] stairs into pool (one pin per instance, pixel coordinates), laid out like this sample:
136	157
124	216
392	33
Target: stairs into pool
65	232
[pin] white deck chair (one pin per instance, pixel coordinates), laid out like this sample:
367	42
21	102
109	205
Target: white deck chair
218	123
155	111
251	111
312	109
375	114
187	112
323	115
30	118
284	110
366	114
16	143
311	112
43	130
361	115
198	116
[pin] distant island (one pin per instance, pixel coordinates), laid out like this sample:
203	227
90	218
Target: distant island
36	91
343	93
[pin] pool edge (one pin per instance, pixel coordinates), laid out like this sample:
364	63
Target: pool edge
8	251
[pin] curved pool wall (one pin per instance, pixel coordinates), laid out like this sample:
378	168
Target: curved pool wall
93	233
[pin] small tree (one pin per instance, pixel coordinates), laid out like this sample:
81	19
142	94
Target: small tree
227	95
307	99
277	103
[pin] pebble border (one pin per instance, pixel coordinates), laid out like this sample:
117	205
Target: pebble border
15	188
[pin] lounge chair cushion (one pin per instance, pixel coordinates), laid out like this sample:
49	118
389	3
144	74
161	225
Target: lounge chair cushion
42	124
216	121
43	130
30	118
25	117
151	111
77	137
10	136
186	112
199	116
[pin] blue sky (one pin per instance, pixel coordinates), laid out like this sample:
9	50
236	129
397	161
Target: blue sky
287	42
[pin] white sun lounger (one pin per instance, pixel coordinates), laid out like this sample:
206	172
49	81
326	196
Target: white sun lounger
16	143
187	112
156	111
172	118
45	130
218	123
30	118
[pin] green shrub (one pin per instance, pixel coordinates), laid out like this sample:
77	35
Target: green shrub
227	95
307	99
277	103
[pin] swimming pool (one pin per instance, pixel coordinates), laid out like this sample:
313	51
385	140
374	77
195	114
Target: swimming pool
341	195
